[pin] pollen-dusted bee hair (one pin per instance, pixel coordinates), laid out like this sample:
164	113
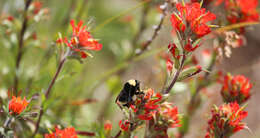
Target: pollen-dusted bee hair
131	88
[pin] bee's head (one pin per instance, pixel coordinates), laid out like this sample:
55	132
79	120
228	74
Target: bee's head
133	84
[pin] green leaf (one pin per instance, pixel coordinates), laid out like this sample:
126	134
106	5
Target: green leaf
176	63
188	73
196	42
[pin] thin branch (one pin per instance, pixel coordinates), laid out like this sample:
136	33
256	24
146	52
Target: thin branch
21	44
48	92
118	134
176	75
55	77
85	133
142	26
156	30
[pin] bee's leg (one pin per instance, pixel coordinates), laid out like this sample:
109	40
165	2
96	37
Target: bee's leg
119	105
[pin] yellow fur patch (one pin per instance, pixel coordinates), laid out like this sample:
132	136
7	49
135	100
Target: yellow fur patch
132	82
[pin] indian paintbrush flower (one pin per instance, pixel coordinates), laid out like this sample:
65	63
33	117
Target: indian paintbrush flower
153	108
191	15
169	65
65	133
124	125
81	40
189	47
226	120
107	129
37	5
240	10
108	126
17	105
236	88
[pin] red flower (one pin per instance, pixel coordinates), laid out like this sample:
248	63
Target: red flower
171	115
173	49
10	18
241	10
151	106
195	16
149	93
81	40
236	88
124	125
85	40
189	48
17	105
226	120
65	133
37	5
169	65
248	9
152	103
248	6
177	23
147	116
133	108
108	126
157	97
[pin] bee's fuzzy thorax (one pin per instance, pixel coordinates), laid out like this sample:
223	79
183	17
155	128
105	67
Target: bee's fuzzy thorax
132	82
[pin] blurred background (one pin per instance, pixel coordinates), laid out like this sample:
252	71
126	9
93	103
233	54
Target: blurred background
84	94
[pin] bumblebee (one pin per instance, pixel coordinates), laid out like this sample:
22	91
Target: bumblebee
125	97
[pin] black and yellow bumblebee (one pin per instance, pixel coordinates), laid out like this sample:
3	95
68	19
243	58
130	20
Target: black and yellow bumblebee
130	89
